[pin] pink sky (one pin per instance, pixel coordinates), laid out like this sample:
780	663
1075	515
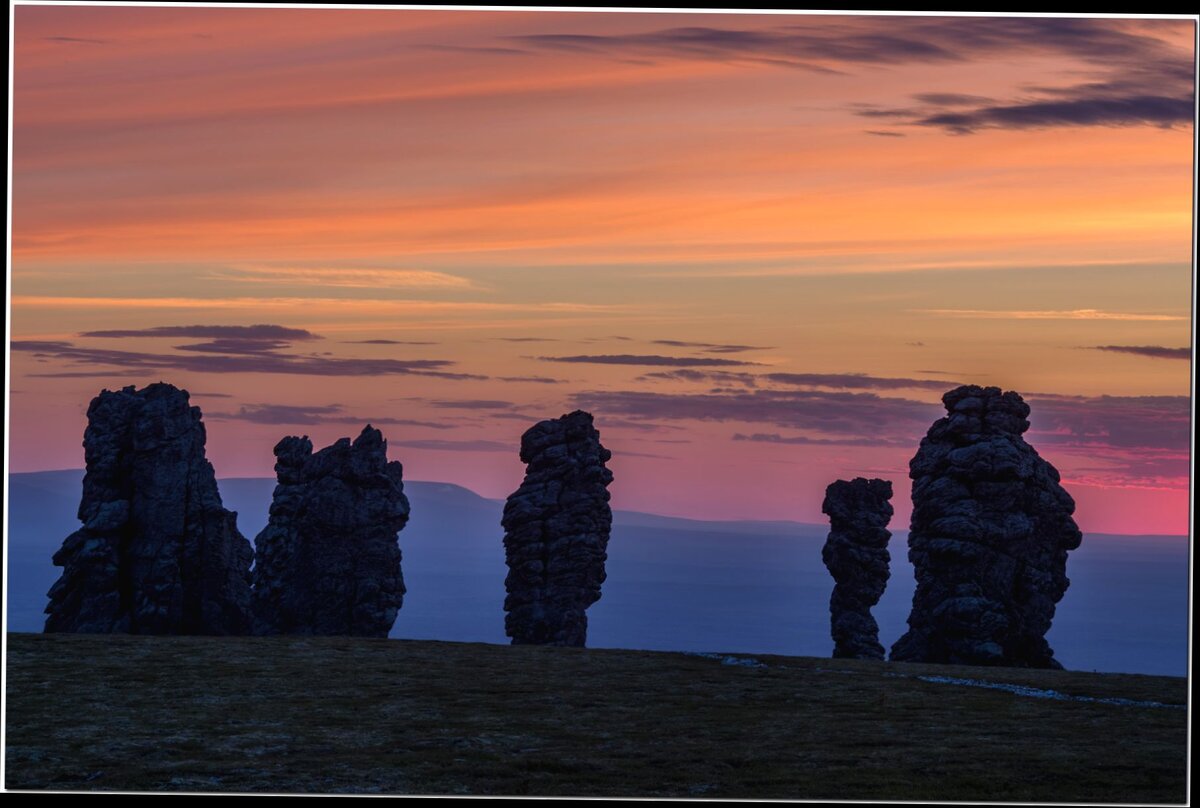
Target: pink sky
795	232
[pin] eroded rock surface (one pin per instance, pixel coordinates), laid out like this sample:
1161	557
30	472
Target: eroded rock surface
556	527
991	528
157	553
857	557
328	561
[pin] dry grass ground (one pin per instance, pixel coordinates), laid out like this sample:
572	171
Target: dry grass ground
404	717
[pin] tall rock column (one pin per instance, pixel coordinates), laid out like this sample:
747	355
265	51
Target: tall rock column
157	553
857	557
328	561
556	532
991	528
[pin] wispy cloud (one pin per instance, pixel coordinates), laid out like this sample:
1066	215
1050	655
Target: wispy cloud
387	342
458	445
311	415
712	347
346	277
245	332
1074	314
829	414
801	440
628	359
837	381
264	362
1153	351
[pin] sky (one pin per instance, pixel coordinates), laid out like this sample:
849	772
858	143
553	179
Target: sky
758	248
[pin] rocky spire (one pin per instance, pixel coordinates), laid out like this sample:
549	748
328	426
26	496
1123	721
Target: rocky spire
991	527
328	561
556	532
157	553
857	557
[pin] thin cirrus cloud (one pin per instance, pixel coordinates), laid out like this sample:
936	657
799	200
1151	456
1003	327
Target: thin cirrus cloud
311	415
436	445
1152	351
245	332
840	381
255	362
1137	78
631	359
802	440
345	277
711	347
1073	314
833	414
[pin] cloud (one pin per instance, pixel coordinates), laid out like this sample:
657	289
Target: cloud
803	46
525	339
531	379
1075	314
242	332
473	404
1123	422
310	415
841	381
265	362
685	375
858	381
458	445
345	277
75	39
760	437
952	99
1154	351
710	347
386	342
1137	79
883	133
1156	110
831	414
627	359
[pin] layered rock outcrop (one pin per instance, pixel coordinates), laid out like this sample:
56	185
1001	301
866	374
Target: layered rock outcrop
991	528
157	553
556	529
328	561
857	557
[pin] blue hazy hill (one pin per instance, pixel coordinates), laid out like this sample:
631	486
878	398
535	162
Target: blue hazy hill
673	584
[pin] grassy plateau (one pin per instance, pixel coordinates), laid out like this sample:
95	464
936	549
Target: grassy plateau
343	715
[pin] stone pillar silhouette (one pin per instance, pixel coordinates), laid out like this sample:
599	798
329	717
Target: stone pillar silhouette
157	553
556	527
991	528
857	557
328	561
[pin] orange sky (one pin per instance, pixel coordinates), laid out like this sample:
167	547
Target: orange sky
802	228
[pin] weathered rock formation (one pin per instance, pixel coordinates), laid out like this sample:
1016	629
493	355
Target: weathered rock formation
157	553
556	533
857	557
991	527
328	561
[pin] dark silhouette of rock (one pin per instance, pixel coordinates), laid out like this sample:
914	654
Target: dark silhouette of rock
157	553
991	527
556	533
857	557
328	561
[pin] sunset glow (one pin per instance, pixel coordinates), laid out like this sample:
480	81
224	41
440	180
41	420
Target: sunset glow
757	247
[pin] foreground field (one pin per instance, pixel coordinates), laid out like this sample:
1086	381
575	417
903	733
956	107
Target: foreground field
404	717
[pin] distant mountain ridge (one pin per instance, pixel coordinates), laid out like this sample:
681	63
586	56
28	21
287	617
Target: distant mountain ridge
673	584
